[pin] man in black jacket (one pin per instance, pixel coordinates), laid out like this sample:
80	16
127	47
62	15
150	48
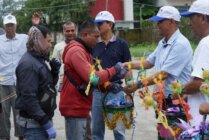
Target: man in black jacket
36	94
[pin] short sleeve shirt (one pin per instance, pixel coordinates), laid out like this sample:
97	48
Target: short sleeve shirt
200	60
115	51
173	57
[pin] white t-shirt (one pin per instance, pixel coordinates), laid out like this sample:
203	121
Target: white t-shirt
200	60
57	53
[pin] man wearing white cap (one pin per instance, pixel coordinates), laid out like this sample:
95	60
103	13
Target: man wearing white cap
199	23
12	47
110	50
172	57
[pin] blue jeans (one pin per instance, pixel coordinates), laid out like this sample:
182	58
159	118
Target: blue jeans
75	128
34	134
98	124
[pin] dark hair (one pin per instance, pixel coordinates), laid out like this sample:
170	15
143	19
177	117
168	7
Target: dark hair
87	26
44	30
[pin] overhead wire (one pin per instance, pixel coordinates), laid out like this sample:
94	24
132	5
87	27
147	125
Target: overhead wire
58	6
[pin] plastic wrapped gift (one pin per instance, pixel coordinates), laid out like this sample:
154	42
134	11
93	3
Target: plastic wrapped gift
118	110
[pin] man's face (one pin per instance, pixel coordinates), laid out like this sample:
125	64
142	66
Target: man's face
36	20
10	29
48	41
91	38
195	23
104	27
164	26
69	32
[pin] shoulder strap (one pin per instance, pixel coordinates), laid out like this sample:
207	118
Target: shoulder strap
81	89
71	80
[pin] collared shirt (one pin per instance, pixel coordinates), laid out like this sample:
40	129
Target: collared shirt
115	51
200	61
11	50
173	57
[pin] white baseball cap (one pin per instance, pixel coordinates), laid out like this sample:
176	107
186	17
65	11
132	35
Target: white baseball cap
198	6
9	19
104	16
167	12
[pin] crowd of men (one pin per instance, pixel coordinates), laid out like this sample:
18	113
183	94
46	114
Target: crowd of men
30	78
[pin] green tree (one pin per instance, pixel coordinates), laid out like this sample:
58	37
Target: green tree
6	7
144	9
54	12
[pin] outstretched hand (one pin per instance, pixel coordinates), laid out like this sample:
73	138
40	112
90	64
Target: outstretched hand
130	89
120	70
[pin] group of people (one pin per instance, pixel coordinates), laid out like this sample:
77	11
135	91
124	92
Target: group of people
30	77
173	58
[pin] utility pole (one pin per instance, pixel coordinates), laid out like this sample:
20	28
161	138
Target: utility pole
142	6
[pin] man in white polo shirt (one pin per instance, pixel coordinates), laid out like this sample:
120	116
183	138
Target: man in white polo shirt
12	47
69	31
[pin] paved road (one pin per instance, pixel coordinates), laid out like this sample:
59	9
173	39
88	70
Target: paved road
145	124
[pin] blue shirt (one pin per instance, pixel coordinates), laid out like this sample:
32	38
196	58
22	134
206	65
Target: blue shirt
115	51
11	50
173	57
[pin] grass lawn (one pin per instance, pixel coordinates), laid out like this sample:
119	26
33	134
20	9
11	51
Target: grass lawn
144	49
140	50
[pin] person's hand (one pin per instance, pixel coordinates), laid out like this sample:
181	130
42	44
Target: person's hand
118	67
131	89
50	130
120	71
126	64
204	108
115	88
55	65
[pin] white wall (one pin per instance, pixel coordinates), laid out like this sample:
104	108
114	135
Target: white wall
128	14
